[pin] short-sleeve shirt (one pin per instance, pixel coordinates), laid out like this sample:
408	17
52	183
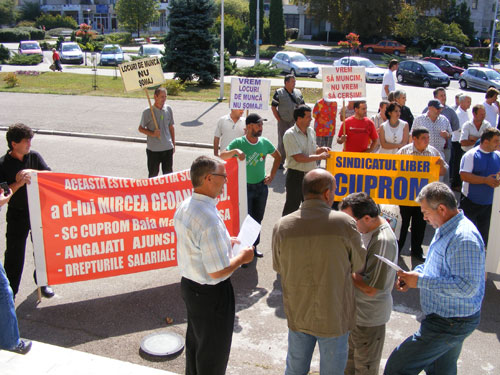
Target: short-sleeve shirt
491	113
286	102
165	119
435	128
359	133
325	115
376	310
388	80
295	143
227	130
470	129
255	156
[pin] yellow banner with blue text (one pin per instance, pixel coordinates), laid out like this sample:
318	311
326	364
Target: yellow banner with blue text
387	178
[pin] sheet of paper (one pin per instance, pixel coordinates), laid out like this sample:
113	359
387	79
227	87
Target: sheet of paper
391	264
248	234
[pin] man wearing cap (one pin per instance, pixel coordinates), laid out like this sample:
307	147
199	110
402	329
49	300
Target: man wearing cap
439	127
254	148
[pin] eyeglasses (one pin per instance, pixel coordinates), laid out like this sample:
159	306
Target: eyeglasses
220	174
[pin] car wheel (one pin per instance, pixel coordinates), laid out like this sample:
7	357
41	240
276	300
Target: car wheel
427	83
397	53
400	77
456	75
313	76
463	84
293	72
369	50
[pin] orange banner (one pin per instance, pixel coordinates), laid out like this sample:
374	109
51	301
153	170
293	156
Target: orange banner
91	227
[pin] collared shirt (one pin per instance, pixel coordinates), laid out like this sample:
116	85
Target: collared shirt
491	112
463	117
227	130
295	143
203	242
286	102
165	119
469	129
452	278
388	80
435	128
410	149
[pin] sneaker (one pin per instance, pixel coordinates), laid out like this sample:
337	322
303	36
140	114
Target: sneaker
23	347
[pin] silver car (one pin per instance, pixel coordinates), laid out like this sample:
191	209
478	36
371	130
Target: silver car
373	73
295	63
479	78
111	54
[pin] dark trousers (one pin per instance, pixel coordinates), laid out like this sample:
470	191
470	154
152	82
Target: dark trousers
18	227
155	158
417	228
257	199
294	195
210	313
456	157
479	214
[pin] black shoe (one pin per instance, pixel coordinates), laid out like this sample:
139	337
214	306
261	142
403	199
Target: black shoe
23	347
419	257
258	254
281	166
47	291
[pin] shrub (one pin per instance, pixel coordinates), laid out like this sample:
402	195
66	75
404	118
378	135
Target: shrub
25	23
57	21
35	34
174	87
118	38
11	80
13	35
292	33
259	70
59	41
25	60
480	53
4	54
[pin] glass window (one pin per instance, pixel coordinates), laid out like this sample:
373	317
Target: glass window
292	21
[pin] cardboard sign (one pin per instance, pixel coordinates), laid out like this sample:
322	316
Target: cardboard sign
141	74
387	178
91	227
344	82
250	94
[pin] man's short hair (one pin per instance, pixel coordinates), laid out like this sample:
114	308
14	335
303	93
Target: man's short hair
393	62
316	183
288	77
489	133
399	93
202	166
462	97
361	204
18	132
357	103
160	89
437	193
491	92
476	108
418	131
383	102
300	111
437	90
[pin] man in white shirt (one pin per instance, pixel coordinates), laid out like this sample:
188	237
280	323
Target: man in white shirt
389	82
473	129
491	106
228	127
464	103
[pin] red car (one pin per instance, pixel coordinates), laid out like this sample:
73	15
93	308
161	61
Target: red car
446	66
386	46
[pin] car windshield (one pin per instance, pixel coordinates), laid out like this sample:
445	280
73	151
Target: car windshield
70	47
151	51
110	50
367	63
431	68
30	46
298	58
492	75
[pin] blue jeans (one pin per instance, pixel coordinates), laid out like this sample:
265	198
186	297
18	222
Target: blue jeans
435	347
9	332
256	200
333	353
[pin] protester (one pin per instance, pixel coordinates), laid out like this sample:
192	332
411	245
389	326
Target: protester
56	60
228	127
254	148
285	101
373	285
203	245
464	103
302	153
451	284
406	115
16	167
380	117
389	81
9	330
393	133
359	133
457	102
348	111
472	130
480	172
491	105
325	116
419	147
315	250
160	141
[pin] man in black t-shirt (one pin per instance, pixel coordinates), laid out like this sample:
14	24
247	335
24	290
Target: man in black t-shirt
15	168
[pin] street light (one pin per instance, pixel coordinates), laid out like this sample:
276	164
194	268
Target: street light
493	31
221	54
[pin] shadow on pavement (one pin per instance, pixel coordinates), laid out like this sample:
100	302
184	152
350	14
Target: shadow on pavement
489	310
196	121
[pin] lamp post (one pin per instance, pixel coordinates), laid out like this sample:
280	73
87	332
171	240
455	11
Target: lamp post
221	54
257	24
493	32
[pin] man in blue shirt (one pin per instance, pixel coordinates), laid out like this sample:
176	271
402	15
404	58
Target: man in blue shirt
479	170
451	283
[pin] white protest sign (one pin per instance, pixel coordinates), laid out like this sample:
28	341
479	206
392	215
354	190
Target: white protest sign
141	74
250	93
344	82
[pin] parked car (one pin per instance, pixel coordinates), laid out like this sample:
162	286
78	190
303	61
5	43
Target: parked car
70	52
151	50
295	63
386	46
446	66
111	54
480	78
373	73
29	47
450	53
421	72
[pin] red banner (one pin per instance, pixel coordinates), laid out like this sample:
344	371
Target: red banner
91	227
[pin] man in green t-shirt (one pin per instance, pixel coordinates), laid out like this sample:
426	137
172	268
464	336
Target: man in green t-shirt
254	149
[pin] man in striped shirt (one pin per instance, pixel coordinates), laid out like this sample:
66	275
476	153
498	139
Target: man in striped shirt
373	285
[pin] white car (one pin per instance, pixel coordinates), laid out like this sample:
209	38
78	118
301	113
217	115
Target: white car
373	73
71	52
295	63
151	50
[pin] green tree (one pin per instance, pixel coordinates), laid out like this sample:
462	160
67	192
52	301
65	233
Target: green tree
7	12
253	14
30	11
405	26
236	8
425	5
459	14
52	22
277	22
233	33
135	15
189	44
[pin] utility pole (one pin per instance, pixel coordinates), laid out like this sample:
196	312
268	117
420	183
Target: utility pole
221	53
257	39
493	32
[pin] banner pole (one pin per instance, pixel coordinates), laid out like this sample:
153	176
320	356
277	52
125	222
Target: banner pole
343	120
151	109
39	294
